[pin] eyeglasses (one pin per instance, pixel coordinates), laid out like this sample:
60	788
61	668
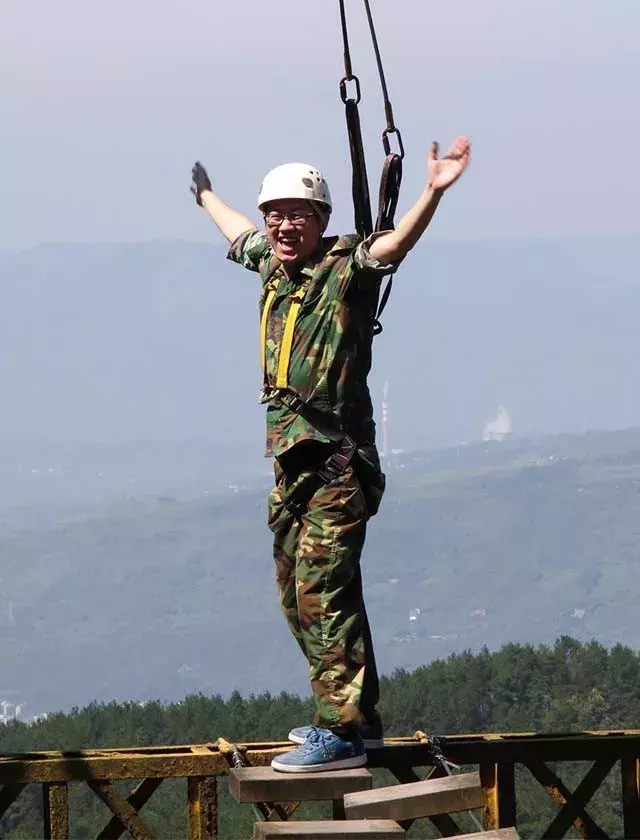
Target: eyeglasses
298	218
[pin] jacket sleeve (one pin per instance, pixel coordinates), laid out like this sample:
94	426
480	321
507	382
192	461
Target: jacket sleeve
250	249
363	261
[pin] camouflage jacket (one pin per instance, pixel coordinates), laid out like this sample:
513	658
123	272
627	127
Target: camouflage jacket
331	350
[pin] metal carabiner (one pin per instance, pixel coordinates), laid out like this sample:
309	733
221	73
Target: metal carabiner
343	89
385	141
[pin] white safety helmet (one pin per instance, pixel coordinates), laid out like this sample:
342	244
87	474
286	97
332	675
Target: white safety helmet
295	180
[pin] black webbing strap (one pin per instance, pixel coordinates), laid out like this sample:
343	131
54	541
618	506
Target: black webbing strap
360	182
392	168
387	203
298	496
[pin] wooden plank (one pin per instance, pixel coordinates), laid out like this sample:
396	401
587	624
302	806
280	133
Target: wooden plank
418	799
338	830
497	834
445	823
263	784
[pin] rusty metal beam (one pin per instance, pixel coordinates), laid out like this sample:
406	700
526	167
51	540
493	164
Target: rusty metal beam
63	768
138	797
182	762
123	810
585	825
516	749
55	806
497	753
499	785
574	808
203	807
630	771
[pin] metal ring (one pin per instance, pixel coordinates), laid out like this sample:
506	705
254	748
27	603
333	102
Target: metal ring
343	89
385	141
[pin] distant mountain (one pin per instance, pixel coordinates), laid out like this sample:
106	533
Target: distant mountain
485	543
158	342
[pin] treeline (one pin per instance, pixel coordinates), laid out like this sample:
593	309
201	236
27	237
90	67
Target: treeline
561	688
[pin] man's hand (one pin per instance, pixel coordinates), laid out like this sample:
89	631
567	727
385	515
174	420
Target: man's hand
394	245
445	171
230	223
201	181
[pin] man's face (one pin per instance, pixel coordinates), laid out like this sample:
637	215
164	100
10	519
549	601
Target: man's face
294	230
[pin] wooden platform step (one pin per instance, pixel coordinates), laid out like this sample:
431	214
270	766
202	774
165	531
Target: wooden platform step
496	834
263	784
338	830
416	799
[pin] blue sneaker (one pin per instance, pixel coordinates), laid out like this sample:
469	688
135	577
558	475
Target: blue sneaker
323	750
371	733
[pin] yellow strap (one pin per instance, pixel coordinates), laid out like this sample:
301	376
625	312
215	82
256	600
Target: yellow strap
282	380
264	324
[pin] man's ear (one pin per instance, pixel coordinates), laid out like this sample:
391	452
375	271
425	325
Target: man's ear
323	215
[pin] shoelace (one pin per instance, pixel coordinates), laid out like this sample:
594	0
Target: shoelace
315	738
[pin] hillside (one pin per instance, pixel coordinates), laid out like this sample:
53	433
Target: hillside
477	545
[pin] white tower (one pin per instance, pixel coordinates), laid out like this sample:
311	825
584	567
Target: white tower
385	421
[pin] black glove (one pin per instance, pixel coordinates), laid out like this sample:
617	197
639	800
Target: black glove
201	181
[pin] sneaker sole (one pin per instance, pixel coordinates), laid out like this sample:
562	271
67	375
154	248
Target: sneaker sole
342	764
369	743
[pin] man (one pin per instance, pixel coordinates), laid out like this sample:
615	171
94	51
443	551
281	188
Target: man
318	306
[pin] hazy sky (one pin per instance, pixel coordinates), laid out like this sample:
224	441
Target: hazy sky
104	107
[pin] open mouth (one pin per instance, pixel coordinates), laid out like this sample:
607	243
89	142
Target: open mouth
288	243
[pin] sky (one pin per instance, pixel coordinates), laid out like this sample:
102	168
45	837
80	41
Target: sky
105	106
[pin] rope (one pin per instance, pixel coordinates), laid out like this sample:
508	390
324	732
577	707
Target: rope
436	747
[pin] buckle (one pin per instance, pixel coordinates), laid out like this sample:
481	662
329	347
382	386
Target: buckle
338	461
332	468
266	395
289	398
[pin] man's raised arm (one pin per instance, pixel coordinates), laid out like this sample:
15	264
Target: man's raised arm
443	172
230	223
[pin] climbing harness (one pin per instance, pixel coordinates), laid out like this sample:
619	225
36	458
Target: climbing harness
282	377
391	177
346	449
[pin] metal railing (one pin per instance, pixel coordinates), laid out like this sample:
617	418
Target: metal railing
496	756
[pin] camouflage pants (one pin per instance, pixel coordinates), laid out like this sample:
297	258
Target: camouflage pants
317	557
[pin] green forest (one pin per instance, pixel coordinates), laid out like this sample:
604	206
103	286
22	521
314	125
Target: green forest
565	687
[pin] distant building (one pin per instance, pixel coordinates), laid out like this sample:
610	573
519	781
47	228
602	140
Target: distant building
498	427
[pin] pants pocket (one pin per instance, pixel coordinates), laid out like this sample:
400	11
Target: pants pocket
372	480
278	517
